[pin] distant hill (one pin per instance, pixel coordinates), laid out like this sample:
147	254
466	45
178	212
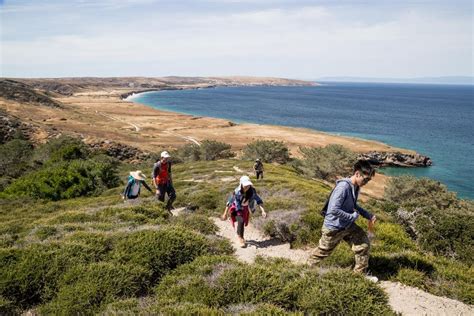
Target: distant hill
464	80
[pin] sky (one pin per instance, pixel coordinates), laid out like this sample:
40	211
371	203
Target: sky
283	38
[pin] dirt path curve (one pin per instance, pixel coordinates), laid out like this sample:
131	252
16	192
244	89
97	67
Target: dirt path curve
403	299
188	138
137	129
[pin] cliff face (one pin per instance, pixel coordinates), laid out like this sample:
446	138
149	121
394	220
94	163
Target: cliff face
386	159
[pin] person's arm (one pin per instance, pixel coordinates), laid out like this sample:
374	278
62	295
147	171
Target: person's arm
259	203
147	187
366	214
224	215
336	201
156	171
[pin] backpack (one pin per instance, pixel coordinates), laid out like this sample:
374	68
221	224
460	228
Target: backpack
134	188
324	210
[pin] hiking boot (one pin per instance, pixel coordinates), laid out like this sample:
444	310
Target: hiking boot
371	278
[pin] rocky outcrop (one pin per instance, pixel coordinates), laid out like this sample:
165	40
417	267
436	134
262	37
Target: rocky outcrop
23	93
11	127
120	151
390	159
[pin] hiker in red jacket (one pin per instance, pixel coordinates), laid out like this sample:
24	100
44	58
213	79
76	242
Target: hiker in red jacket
162	180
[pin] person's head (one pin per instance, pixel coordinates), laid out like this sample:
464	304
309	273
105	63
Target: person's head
138	175
257	160
363	172
164	156
245	183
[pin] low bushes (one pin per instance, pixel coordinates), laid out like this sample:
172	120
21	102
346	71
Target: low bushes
86	287
220	282
65	180
159	251
267	151
433	216
326	163
207	150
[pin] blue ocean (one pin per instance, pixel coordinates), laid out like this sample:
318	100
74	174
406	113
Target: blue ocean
434	120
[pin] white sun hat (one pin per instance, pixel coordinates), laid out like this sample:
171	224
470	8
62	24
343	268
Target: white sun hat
138	175
165	154
245	181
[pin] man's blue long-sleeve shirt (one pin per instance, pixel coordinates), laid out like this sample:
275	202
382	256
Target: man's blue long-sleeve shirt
342	205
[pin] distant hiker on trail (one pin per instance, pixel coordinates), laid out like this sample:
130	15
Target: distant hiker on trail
258	168
239	206
340	214
162	180
135	180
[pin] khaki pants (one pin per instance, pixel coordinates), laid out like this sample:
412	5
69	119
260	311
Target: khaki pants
354	236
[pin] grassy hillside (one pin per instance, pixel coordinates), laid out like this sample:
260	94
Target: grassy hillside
96	254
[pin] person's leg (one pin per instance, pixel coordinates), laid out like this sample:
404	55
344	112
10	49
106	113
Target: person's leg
360	244
240	229
161	195
171	196
328	241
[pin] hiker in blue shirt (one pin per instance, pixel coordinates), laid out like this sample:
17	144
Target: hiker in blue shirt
340	216
135	180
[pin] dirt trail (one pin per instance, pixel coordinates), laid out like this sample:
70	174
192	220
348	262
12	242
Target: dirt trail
403	299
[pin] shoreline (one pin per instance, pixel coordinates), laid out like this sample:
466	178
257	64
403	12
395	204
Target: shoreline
133	94
96	113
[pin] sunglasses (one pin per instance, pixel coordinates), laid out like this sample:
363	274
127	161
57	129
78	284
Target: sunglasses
366	178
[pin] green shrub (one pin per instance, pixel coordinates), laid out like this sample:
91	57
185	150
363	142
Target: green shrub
65	180
419	192
342	292
7	307
64	148
159	251
130	306
208	150
85	288
185	309
30	275
195	282
433	216
326	163
267	151
196	222
387	266
46	231
213	150
411	277
269	286
15	158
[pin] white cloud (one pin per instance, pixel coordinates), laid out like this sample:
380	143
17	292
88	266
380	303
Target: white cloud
302	42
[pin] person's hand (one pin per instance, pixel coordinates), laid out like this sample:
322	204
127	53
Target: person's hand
373	219
157	192
224	217
355	215
264	214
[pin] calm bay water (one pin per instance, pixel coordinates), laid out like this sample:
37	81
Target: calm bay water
434	120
